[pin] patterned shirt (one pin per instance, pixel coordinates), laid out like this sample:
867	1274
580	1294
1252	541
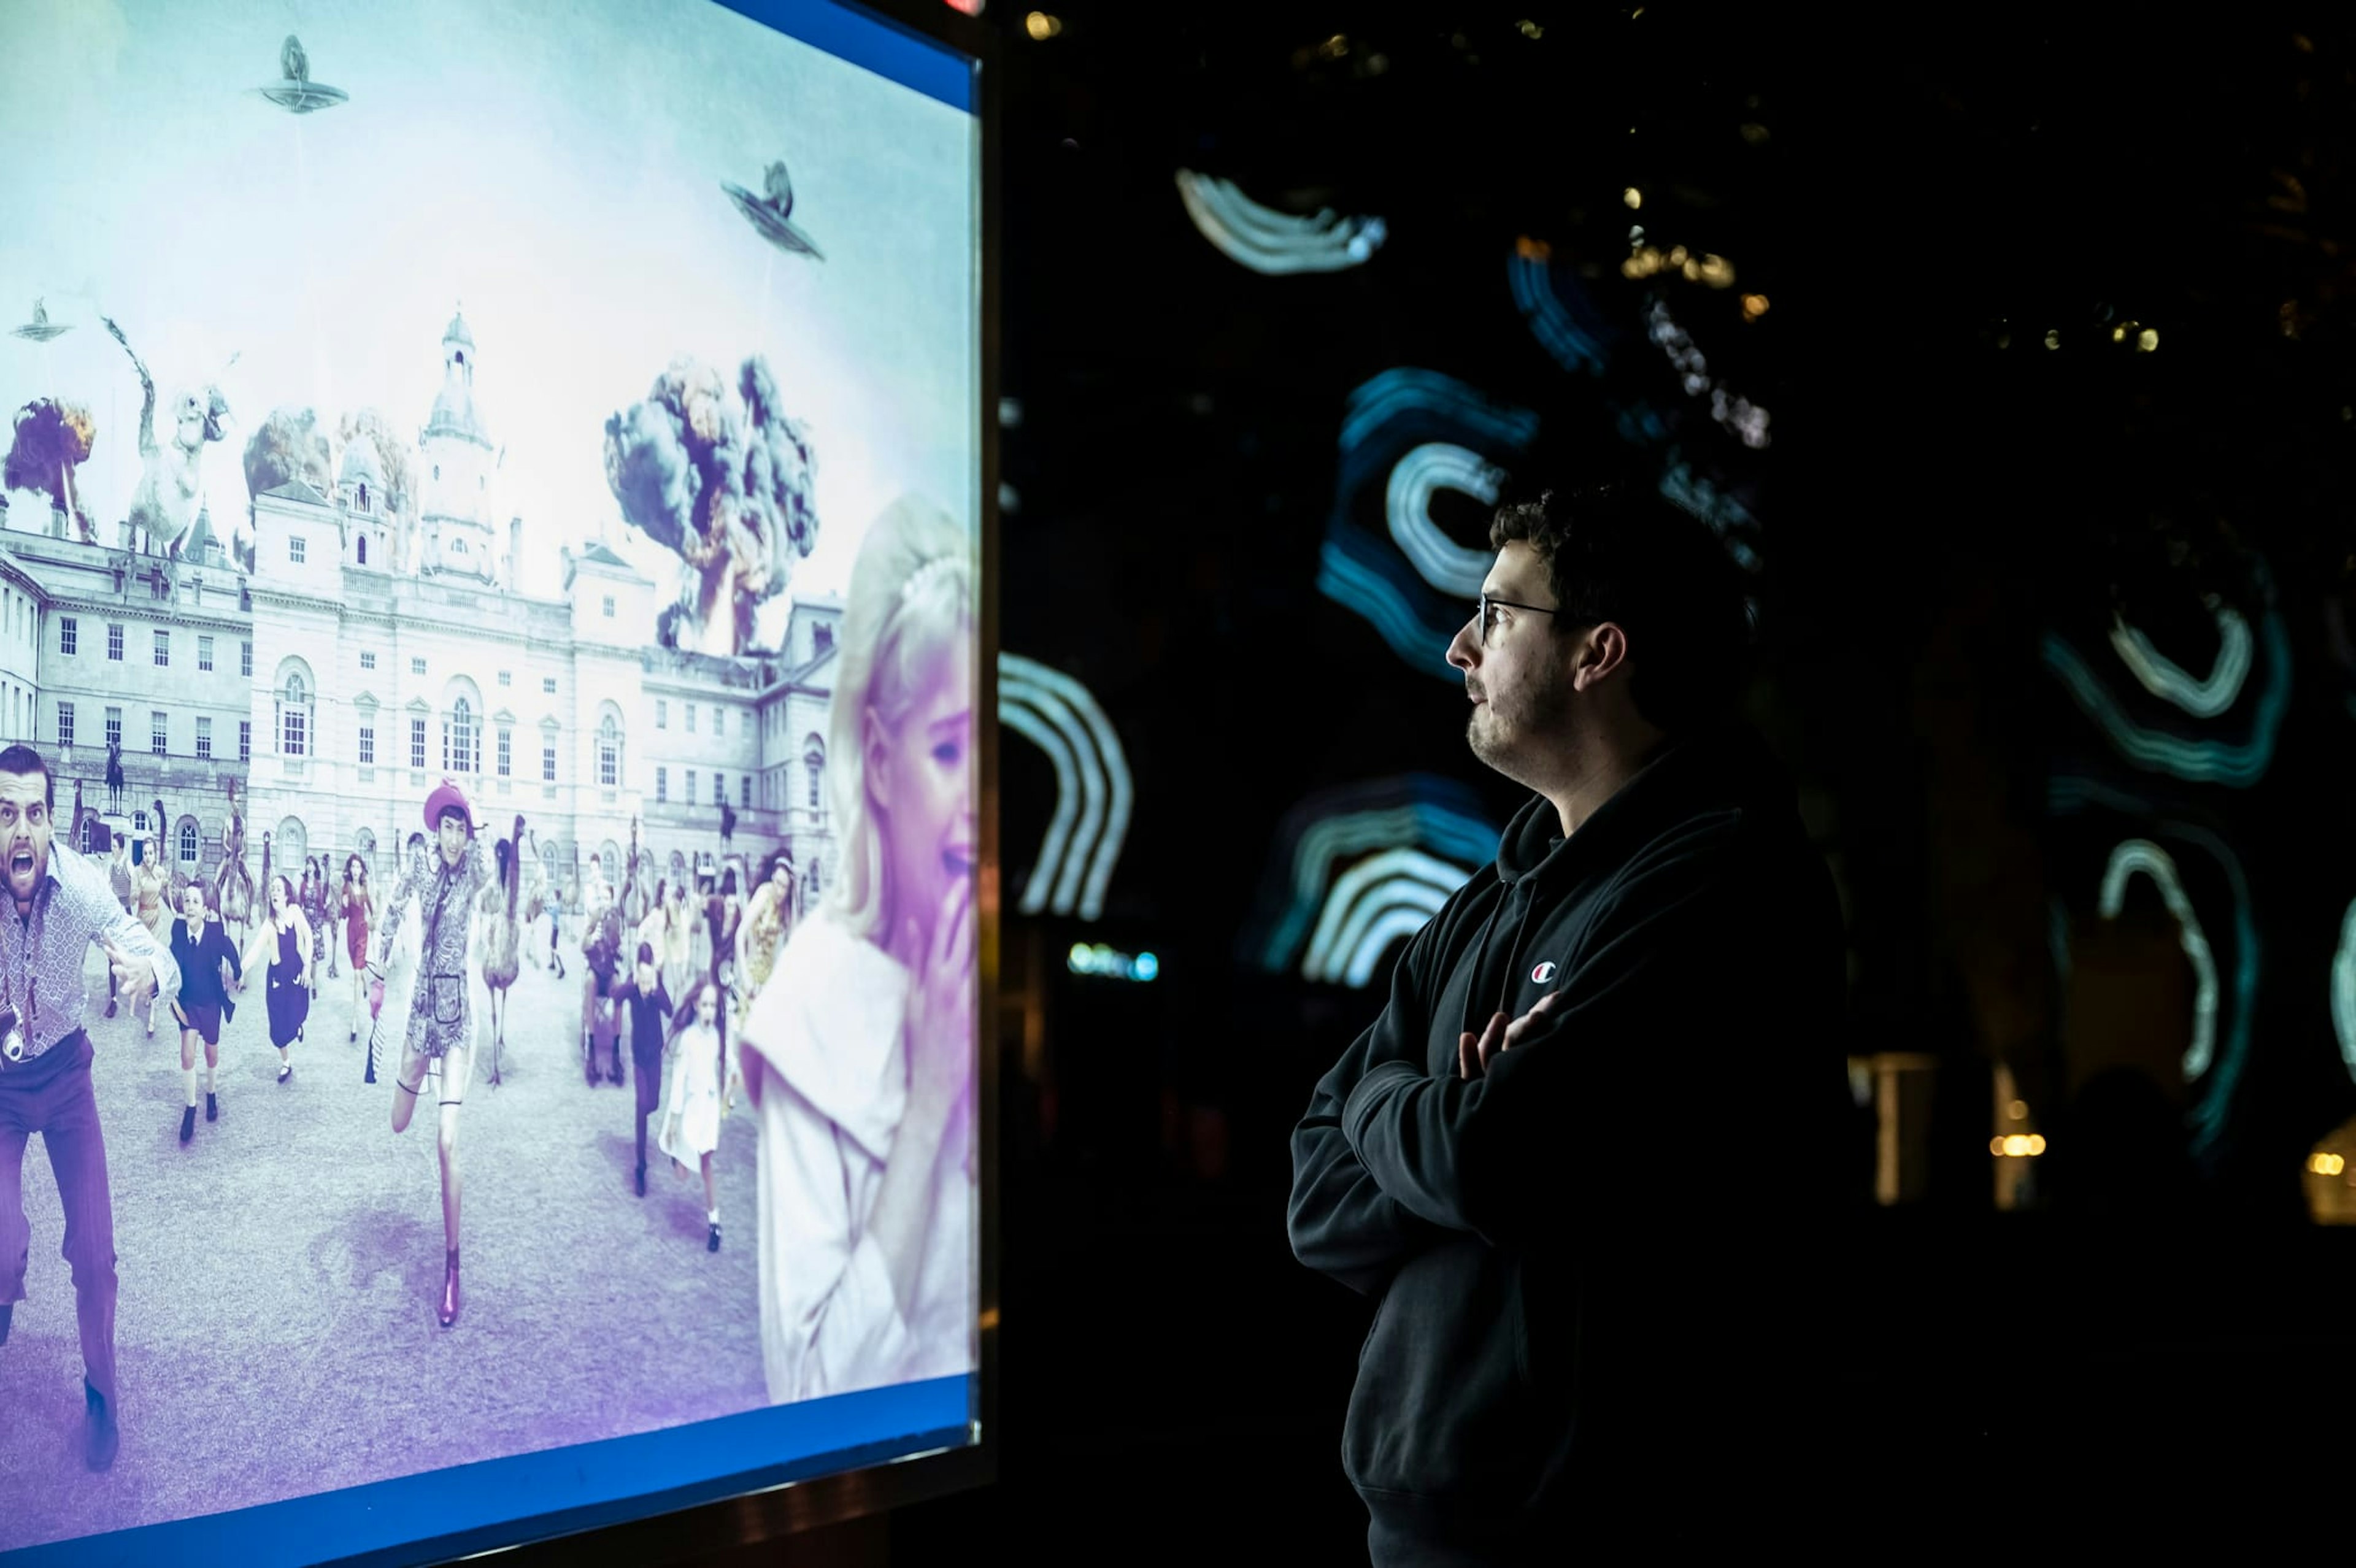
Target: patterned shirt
42	953
441	1018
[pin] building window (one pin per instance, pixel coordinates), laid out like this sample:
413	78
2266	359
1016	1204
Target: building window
822	639
690	717
204	736
69	634
245	740
719	789
138	824
362	540
609	752
114	640
507	678
204	652
662	785
548	684
158	734
188	844
417	666
548	765
293	726
368	658
814	761
690	797
114	726
459	751
744	796
245	660
506	753
609	606
65	723
368	745
417	744
720	721
294	549
662	714
458	547
163	648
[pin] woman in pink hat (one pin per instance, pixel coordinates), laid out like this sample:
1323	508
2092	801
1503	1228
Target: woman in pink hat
441	1043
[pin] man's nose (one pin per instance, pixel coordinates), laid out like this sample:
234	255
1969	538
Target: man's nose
1464	649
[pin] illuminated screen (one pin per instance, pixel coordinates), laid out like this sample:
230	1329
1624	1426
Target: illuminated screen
492	543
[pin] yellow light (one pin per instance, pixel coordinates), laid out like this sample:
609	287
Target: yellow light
2036	1142
2017	1110
2147	341
1531	31
1754	306
1335	48
1079	954
2118	334
1676	255
2052	340
1995	1146
1531	250
1040	24
1631	195
2326	1163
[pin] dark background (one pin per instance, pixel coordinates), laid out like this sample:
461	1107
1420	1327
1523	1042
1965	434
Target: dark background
1922	196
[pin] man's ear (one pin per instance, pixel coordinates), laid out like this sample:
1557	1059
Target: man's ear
1603	653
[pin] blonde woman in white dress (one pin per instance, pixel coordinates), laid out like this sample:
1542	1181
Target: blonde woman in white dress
858	1052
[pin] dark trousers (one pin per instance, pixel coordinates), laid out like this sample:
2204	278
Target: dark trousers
51	1095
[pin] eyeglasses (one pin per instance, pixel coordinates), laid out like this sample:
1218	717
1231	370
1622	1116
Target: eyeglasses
1487	615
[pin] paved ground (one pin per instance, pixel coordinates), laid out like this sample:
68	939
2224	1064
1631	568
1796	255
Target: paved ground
279	1274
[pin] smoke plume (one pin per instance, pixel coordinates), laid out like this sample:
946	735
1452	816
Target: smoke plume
289	445
720	476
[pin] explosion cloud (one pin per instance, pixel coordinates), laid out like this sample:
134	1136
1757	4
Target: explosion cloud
52	439
391	457
719	474
289	445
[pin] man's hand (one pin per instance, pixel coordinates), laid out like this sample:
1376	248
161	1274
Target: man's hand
1474	1053
134	977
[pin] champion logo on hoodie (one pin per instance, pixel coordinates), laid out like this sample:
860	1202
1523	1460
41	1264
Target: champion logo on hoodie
1544	973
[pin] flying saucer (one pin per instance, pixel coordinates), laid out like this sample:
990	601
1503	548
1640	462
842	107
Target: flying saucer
297	93
40	329
770	214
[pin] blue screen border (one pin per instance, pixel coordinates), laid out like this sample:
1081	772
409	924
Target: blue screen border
873	42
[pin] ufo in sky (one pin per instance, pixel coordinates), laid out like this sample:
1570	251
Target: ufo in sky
298	94
40	329
770	214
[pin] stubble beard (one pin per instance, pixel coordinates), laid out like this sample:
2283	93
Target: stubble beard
1498	743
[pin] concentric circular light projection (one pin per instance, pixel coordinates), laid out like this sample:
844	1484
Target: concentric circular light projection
1353	868
1451	568
1271	241
2205	698
2246	714
2141	856
1093	792
1559	316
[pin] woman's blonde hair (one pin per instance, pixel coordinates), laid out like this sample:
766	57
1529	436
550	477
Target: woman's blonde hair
912	598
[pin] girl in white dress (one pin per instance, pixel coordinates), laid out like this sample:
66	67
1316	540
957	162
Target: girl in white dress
693	1100
859	1050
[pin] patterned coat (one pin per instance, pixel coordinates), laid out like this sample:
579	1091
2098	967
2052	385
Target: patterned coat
441	1013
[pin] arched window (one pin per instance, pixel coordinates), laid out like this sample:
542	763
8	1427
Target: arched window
187	841
461	751
814	760
363	539
609	752
295	727
363	507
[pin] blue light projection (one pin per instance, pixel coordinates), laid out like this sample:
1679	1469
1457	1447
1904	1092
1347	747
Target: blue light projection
2222	1071
1406	434
2237	760
1353	868
1270	241
1093	790
1560	317
2142	857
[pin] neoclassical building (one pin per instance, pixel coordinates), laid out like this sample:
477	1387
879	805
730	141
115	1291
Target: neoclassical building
365	656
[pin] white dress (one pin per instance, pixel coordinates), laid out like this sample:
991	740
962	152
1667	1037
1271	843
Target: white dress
827	1031
690	1113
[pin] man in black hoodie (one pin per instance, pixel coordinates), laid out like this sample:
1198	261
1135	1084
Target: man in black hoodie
1580	1157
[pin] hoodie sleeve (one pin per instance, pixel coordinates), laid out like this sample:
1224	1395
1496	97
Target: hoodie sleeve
1342	1221
1492	1155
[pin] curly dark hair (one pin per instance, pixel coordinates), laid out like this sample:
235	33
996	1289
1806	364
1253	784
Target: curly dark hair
1622	552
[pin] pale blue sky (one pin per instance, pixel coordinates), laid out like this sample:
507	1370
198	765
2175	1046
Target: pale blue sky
554	166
